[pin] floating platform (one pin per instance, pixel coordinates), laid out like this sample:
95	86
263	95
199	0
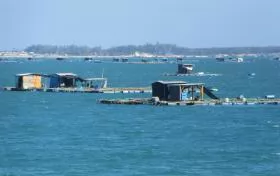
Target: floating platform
151	101
86	90
193	74
131	101
127	90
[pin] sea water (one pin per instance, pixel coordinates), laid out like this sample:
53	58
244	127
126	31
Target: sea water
71	134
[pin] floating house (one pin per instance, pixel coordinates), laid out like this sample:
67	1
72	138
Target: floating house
116	60
239	59
164	60
95	83
179	59
144	60
68	82
172	93
229	59
65	80
57	81
29	81
185	68
124	60
177	90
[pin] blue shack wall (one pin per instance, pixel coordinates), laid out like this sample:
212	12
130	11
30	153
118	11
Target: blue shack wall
54	82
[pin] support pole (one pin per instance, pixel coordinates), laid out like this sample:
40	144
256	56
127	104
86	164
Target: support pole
202	92
192	93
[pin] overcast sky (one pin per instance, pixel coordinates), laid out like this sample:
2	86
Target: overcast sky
107	23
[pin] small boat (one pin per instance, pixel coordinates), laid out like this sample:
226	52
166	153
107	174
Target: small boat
213	89
220	59
200	73
239	59
252	74
116	60
179	59
60	58
144	60
124	60
87	59
164	60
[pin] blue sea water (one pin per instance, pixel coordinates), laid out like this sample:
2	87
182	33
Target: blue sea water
71	134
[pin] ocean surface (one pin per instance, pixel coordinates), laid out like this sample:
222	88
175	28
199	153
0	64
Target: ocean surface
71	134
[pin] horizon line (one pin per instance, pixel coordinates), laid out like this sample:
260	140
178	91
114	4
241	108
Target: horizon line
103	48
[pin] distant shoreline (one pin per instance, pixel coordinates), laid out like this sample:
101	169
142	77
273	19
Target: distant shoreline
95	57
90	57
143	51
121	57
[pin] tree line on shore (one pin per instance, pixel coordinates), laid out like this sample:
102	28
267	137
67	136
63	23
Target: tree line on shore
155	49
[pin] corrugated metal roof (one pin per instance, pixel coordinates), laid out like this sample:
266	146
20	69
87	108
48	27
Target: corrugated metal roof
171	82
66	74
28	74
179	83
188	84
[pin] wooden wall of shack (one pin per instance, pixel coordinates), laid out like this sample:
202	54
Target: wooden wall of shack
32	81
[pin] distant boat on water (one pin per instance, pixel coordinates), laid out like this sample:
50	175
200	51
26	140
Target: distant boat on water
180	59
220	59
144	60
87	59
60	58
239	59
213	89
124	60
230	59
252	74
116	59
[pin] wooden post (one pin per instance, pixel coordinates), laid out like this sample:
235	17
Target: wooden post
192	93
202	92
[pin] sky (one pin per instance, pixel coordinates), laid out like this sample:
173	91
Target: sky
109	23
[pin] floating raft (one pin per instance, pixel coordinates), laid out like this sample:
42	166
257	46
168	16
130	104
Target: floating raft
127	90
131	101
193	74
86	90
150	101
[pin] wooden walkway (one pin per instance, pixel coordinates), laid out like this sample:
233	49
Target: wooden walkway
87	90
150	101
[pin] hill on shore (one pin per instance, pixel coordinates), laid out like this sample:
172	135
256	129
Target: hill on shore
154	49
